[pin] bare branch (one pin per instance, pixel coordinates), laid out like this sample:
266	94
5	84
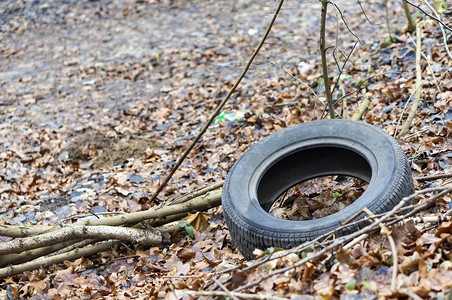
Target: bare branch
299	81
345	22
429	15
131	235
220	106
365	15
341	70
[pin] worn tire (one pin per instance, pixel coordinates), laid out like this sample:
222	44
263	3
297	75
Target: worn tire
300	153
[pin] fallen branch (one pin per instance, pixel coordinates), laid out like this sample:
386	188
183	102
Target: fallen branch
70	241
362	108
160	214
131	235
44	262
197	193
351	239
14	259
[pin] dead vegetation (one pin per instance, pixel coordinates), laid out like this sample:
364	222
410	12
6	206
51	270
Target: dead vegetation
93	66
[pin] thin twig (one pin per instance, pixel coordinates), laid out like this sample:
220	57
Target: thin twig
365	15
440	26
225	289
299	81
237	295
220	106
429	15
354	237
197	193
433	177
341	70
345	23
362	83
386	231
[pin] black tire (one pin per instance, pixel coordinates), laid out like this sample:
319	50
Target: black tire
300	153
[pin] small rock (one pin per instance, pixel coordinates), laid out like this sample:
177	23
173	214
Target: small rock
64	156
136	178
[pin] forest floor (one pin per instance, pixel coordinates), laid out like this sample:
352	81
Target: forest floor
98	100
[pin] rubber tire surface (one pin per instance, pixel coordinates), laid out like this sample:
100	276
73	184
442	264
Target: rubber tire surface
302	152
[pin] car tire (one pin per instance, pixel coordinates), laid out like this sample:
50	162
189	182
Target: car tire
303	152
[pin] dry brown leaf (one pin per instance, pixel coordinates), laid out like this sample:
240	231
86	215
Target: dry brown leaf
185	254
199	220
446	227
239	278
409	263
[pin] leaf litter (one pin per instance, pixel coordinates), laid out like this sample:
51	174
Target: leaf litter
98	79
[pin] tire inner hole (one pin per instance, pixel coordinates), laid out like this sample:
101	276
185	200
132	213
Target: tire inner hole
318	197
330	161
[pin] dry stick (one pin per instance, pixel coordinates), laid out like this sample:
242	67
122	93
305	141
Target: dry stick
433	177
19	231
299	81
444	191
432	219
197	193
237	295
362	108
409	17
326	79
385	231
344	108
44	262
405	107
132	235
219	107
203	202
417	94
354	237
76	245
14	259
225	289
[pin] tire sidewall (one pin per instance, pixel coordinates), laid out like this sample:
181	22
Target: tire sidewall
378	148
